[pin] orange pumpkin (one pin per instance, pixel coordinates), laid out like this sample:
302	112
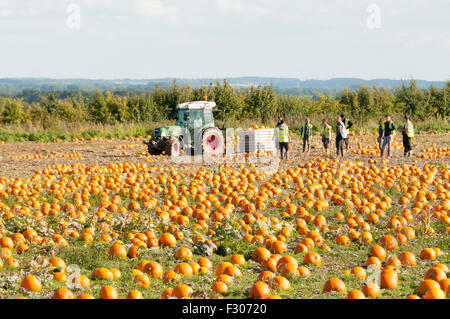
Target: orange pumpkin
356	294
260	290
434	293
108	292
312	258
427	284
182	292
436	274
63	293
378	251
389	242
428	254
220	287
184	253
388	279
135	294
334	284
359	272
371	290
407	258
31	283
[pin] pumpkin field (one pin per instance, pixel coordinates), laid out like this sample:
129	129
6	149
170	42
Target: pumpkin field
100	218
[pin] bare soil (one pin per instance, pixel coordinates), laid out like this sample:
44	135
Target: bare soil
104	152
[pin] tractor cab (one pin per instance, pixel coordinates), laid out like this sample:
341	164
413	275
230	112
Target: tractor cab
194	115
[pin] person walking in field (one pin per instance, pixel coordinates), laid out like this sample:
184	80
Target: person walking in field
306	134
283	139
348	124
380	133
341	135
387	136
326	135
407	134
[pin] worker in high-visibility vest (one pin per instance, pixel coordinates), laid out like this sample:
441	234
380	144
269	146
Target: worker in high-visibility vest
388	135
283	139
326	135
341	135
348	124
407	133
306	134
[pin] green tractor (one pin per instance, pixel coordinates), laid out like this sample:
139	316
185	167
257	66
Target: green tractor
194	132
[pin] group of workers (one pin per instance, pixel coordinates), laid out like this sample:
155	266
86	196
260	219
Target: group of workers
386	133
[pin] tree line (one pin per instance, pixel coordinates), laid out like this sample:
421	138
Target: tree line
260	103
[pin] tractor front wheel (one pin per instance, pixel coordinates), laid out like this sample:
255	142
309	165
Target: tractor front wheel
213	143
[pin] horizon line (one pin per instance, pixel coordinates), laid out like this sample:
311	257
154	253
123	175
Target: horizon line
216	78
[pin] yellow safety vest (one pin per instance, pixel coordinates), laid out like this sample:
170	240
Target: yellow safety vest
283	136
391	126
326	131
309	129
410	131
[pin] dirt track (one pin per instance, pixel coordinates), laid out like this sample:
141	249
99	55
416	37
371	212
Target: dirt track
103	153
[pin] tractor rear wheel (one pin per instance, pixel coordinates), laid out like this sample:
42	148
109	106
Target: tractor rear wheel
152	146
173	147
164	146
213	143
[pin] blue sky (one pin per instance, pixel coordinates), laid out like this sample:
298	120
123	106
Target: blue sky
225	38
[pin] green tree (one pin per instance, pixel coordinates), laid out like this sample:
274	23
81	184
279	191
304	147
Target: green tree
229	101
411	98
117	107
99	109
13	112
261	103
366	103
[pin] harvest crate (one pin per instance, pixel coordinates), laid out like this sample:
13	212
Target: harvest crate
252	141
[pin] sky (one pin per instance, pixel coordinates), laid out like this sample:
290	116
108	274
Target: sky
140	39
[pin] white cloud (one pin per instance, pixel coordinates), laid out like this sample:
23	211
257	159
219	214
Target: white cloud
4	10
230	6
154	8
236	6
157	9
104	16
426	39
